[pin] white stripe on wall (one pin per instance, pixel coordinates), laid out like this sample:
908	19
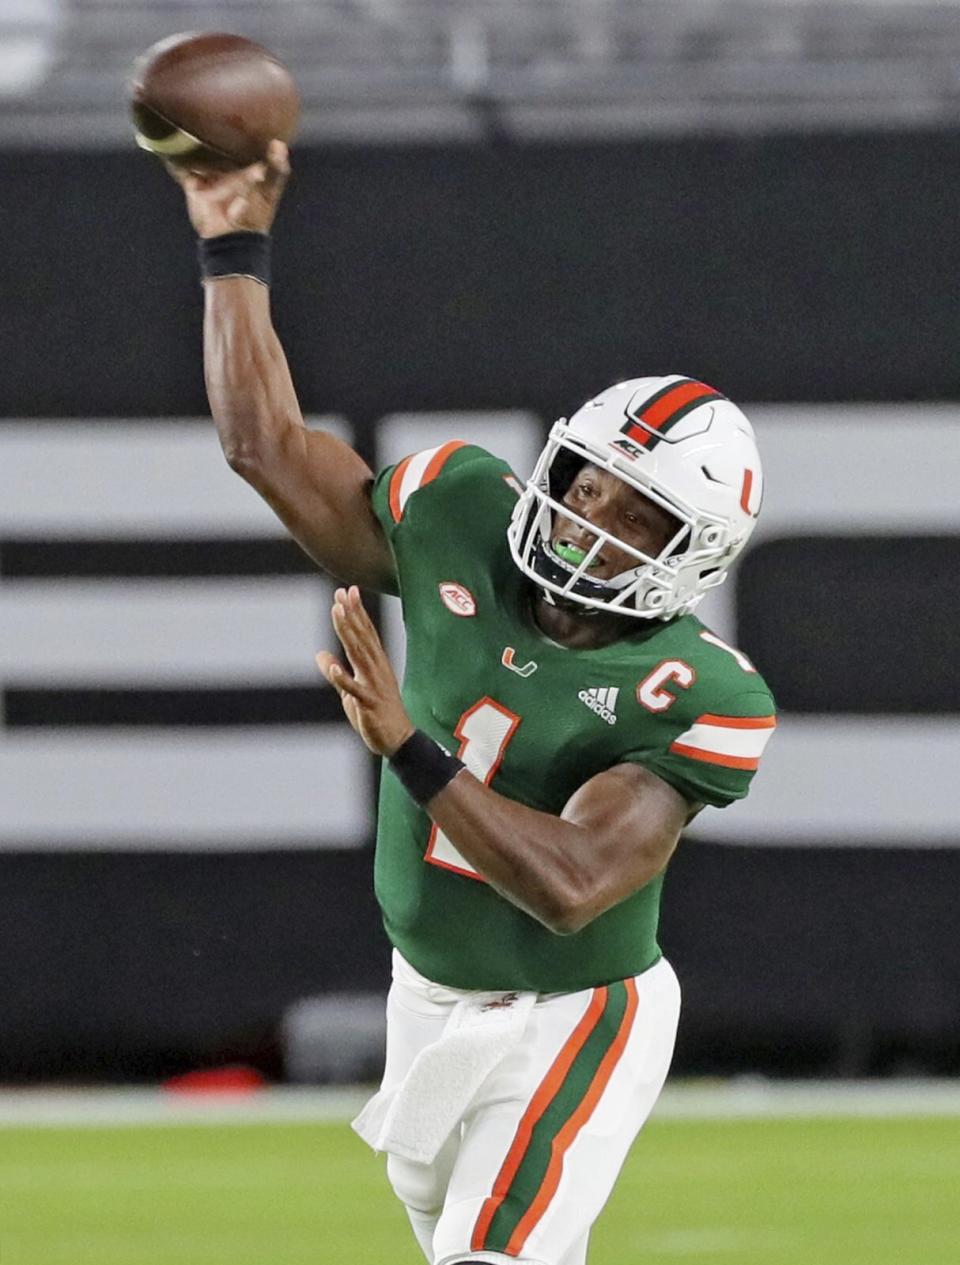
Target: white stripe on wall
130	479
849	780
157	632
850	469
230	788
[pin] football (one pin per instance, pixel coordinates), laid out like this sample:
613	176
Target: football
211	100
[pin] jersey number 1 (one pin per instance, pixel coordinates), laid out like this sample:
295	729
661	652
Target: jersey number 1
484	731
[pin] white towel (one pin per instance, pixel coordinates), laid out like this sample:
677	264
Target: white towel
415	1118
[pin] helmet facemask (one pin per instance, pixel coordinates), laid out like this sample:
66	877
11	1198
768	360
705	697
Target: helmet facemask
658	587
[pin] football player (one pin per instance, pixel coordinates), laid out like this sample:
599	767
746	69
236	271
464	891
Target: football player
563	716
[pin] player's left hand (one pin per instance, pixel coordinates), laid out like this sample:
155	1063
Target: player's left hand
369	692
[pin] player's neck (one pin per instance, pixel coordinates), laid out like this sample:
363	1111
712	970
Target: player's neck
579	631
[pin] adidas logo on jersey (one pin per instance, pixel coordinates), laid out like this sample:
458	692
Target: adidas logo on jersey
603	701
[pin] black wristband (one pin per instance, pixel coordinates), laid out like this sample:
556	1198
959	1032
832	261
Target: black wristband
423	767
235	255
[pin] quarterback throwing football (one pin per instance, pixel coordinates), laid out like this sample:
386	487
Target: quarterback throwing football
563	716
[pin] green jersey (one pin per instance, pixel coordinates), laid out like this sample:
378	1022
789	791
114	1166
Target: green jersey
534	720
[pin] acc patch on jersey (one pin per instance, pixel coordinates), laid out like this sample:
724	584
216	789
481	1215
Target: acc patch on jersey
457	598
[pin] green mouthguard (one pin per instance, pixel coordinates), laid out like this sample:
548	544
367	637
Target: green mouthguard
569	553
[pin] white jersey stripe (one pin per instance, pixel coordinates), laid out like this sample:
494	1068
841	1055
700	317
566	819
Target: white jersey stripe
725	740
414	473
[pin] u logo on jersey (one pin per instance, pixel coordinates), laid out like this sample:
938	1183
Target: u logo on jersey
508	659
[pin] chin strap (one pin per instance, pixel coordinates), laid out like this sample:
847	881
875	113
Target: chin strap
562	604
550	567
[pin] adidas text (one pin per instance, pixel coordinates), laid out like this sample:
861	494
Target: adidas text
602	701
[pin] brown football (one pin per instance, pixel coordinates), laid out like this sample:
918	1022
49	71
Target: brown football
211	100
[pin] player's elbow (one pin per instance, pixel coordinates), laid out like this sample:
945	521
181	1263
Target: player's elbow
256	463
567	909
576	914
246	439
582	898
244	458
567	924
261	456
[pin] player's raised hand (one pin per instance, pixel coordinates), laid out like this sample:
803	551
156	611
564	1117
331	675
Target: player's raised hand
232	201
369	692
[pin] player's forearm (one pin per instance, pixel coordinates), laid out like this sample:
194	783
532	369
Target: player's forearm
251	394
537	861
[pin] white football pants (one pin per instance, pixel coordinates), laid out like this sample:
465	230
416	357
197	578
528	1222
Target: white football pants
539	1148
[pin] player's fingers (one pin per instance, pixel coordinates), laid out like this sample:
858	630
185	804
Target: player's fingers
351	709
191	182
176	173
347	628
355	604
324	661
340	678
278	162
366	631
361	661
278	156
332	670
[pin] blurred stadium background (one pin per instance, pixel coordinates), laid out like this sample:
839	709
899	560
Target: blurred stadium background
498	207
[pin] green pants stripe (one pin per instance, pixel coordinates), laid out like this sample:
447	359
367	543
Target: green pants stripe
565	1101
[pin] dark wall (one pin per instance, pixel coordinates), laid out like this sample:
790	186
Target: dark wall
791	960
814	268
781	269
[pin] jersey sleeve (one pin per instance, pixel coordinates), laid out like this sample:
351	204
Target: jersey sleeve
418	492
712	759
397	484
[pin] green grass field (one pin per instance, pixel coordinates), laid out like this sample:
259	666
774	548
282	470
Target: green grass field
727	1192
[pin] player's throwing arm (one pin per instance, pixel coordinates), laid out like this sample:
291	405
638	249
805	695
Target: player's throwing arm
318	485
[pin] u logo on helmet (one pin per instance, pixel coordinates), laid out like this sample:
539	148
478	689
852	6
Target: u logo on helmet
746	492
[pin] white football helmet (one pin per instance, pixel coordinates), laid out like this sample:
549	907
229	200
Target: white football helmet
676	441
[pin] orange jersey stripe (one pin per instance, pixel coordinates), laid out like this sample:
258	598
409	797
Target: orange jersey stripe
540	1101
738	722
713	757
568	1134
395	480
439	460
